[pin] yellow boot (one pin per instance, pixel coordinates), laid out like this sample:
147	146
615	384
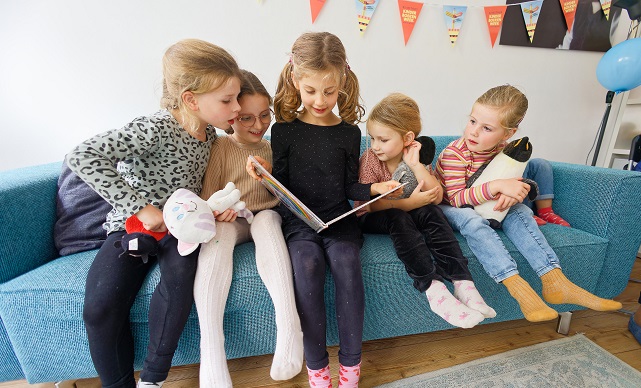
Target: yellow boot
558	289
532	306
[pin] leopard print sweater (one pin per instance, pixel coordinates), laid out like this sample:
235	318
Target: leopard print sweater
142	163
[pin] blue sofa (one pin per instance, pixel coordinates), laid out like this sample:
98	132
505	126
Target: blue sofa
42	336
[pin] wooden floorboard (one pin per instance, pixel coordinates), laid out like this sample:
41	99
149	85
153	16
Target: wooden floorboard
392	359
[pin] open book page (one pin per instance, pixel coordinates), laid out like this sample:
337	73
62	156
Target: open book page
299	209
287	198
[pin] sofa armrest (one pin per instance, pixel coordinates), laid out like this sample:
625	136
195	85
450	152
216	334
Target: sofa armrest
603	202
27	217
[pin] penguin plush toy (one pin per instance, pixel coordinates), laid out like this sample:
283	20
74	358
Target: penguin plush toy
510	163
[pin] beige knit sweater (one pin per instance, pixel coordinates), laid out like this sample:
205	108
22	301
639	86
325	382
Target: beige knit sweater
227	164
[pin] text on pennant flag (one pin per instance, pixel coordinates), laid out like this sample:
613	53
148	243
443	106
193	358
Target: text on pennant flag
569	10
409	14
454	15
365	10
494	17
531	11
316	6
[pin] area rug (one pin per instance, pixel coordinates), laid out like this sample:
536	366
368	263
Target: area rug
568	362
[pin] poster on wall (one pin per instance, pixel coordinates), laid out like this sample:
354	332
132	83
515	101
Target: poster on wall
590	30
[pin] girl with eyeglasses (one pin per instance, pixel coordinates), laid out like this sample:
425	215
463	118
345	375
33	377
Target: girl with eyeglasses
229	155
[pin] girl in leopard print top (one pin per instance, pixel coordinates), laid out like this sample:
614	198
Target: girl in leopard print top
136	168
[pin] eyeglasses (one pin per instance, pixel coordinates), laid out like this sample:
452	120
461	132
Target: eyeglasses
248	121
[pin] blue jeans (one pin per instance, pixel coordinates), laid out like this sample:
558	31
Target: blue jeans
487	246
540	171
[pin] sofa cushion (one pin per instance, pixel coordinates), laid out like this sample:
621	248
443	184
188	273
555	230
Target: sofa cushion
80	214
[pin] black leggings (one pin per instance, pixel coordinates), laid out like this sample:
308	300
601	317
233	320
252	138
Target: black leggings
112	285
309	259
419	235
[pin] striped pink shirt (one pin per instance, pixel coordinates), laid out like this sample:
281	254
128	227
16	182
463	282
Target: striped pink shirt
455	165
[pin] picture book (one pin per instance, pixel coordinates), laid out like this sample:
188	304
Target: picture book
290	201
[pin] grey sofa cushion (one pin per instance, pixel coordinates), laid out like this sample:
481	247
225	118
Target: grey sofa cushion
80	214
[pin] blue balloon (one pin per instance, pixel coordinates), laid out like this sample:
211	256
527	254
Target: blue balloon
619	70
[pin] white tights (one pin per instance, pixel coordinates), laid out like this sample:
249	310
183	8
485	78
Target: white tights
211	288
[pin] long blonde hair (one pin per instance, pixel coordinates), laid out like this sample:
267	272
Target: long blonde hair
398	112
196	66
510	103
315	52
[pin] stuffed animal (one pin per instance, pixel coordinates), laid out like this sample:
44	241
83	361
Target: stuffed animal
139	242
404	174
190	219
508	164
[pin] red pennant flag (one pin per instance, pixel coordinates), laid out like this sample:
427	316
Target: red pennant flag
409	14
569	9
494	17
316	6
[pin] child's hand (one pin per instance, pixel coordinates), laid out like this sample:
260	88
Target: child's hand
411	154
514	188
504	202
228	215
422	198
151	218
251	170
382	187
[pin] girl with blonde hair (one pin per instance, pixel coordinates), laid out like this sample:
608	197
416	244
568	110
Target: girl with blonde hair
417	226
136	169
315	155
495	118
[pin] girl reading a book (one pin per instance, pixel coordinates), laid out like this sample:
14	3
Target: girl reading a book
315	154
416	224
215	262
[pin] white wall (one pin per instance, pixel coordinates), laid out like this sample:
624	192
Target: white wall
72	68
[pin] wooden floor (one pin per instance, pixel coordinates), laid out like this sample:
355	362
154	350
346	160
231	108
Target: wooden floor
396	358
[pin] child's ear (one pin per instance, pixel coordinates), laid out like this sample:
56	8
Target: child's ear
408	138
190	101
509	133
294	81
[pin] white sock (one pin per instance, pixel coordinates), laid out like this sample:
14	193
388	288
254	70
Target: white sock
148	384
275	269
211	288
466	292
445	305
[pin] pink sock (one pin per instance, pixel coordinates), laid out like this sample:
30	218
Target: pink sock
466	292
348	376
319	377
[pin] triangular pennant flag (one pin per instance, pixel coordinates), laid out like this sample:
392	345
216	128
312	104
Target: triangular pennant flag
605	6
316	6
569	9
454	15
531	11
494	17
409	13
365	10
